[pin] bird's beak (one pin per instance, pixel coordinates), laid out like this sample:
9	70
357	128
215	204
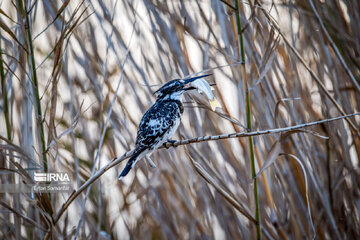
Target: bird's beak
186	84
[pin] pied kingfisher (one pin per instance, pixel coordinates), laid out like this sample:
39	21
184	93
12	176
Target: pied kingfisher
160	122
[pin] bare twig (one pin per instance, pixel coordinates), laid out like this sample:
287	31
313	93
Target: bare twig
118	160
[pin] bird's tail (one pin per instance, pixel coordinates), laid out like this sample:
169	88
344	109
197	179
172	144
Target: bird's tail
131	163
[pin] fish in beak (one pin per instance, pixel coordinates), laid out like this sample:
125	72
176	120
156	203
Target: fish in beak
187	82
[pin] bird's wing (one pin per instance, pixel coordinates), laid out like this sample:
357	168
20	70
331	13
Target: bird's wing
156	122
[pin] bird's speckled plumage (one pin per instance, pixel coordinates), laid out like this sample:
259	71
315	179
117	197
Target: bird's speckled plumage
160	122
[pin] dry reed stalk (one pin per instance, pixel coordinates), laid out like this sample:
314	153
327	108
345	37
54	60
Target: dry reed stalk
301	65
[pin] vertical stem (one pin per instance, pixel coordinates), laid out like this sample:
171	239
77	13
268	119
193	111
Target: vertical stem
238	24
249	125
4	94
34	82
252	162
328	166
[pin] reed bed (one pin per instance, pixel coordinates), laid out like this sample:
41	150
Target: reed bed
76	77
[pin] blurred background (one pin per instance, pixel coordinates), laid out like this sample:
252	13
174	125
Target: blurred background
77	76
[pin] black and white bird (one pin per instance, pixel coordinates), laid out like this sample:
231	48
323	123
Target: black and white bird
161	121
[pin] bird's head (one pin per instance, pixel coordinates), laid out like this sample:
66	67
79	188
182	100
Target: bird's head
175	88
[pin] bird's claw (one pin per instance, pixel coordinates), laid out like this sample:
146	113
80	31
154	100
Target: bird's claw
172	142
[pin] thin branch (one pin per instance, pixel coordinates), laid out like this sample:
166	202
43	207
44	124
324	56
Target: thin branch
118	160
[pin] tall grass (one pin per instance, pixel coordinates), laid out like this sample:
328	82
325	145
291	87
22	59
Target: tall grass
76	78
